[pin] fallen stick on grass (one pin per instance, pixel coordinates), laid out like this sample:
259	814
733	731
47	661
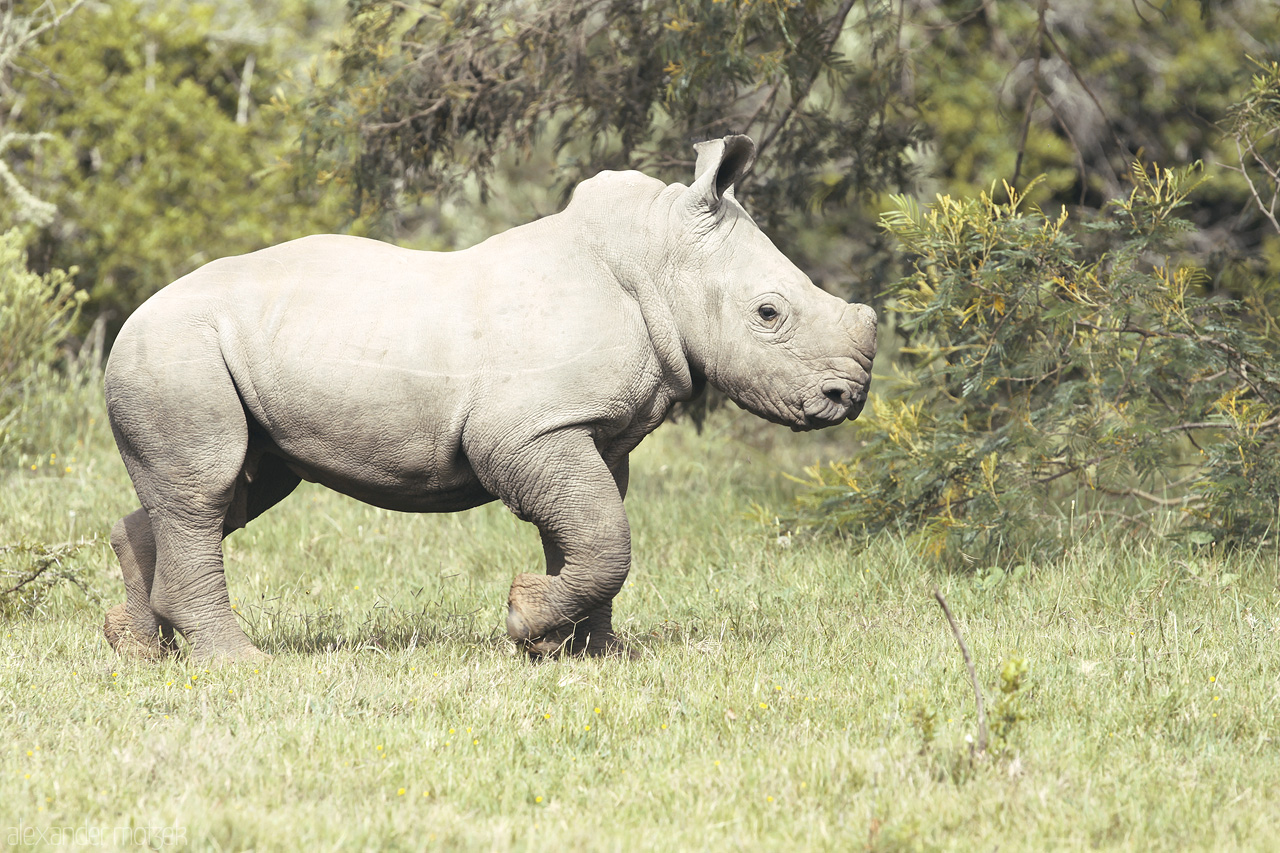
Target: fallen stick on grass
981	746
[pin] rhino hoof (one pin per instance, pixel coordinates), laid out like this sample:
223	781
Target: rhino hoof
565	642
517	626
129	645
528	616
608	646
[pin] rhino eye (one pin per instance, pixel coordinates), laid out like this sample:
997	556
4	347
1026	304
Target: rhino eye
767	313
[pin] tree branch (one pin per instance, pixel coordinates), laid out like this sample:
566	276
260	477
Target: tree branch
1268	211
833	32
1033	97
1150	498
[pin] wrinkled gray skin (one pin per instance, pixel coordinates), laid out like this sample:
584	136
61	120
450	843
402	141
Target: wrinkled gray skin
524	369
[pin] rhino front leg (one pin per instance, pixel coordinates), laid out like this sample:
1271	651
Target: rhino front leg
592	634
561	484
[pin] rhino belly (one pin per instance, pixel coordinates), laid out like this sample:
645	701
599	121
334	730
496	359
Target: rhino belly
408	476
388	436
423	494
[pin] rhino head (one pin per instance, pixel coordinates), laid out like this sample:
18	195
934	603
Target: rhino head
753	324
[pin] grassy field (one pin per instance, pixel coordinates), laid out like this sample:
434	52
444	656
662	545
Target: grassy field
788	696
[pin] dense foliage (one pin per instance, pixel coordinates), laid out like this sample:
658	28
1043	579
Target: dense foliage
154	150
847	100
1059	374
1117	352
432	92
36	313
1076	90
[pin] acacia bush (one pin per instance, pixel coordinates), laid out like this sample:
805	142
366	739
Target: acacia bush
1056	373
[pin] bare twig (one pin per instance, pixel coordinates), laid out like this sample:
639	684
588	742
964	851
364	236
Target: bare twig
1036	93
246	91
981	746
1269	211
30	576
1185	500
439	104
16	34
46	566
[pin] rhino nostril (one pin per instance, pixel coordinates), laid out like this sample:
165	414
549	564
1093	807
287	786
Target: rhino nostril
838	392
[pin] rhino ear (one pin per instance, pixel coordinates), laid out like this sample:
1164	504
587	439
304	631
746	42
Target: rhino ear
721	163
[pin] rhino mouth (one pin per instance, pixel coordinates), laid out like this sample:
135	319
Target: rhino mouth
839	401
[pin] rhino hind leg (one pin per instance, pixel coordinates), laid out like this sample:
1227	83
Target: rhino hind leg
132	628
184	436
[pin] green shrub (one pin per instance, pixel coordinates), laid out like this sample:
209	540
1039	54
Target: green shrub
1057	374
1009	712
36	313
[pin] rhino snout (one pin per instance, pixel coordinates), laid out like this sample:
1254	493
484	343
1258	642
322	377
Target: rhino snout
840	399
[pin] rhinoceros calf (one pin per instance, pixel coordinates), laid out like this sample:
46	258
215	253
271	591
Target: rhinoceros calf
525	369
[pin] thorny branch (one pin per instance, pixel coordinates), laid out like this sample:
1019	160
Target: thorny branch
1268	210
47	566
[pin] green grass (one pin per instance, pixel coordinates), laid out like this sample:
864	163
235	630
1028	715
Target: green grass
782	700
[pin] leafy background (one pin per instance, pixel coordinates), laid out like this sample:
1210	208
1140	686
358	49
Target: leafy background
1064	210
